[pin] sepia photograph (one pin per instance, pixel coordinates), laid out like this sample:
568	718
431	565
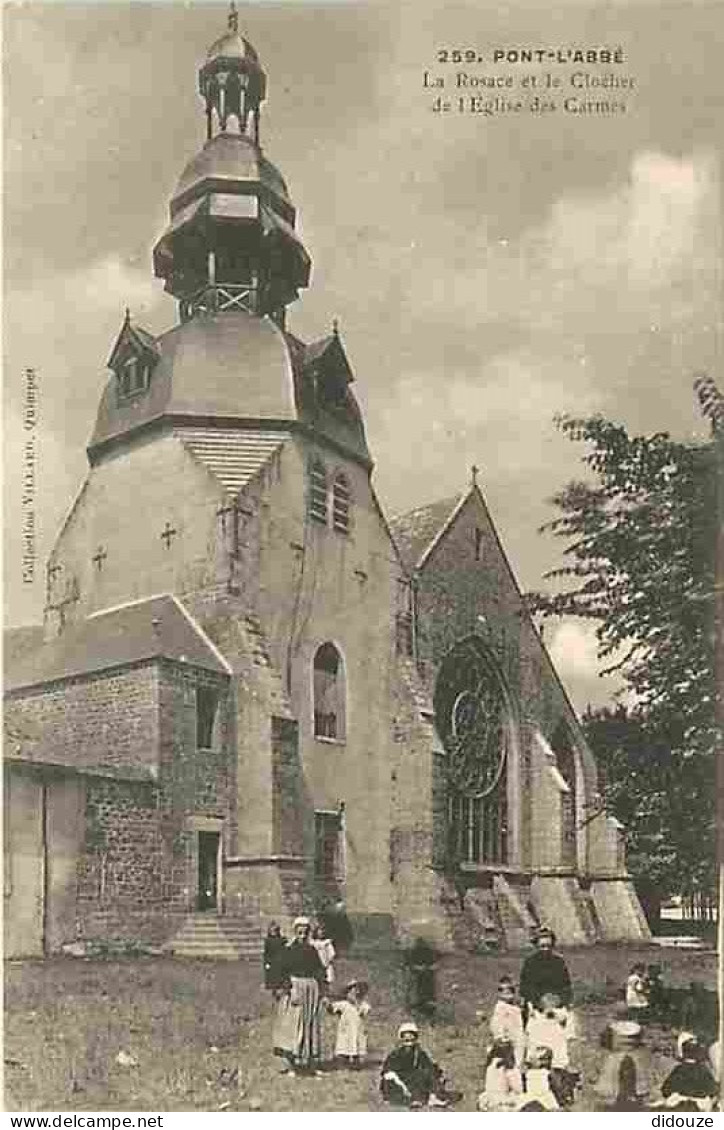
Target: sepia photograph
363	556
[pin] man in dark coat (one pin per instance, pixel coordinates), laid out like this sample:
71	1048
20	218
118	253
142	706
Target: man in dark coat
544	972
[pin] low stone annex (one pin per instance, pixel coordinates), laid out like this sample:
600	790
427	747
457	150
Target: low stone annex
253	693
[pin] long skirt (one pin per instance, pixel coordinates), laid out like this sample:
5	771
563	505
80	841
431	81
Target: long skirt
297	1027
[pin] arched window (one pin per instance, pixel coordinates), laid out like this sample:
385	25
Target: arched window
329	693
318	491
341	496
566	763
472	718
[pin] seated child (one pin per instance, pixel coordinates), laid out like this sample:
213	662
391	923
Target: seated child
552	1026
623	1083
506	1021
637	994
409	1076
691	1079
503	1080
538	1080
656	992
351	1043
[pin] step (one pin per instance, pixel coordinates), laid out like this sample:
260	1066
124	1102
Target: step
212	936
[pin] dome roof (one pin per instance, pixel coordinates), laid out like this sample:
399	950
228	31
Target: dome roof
234	366
232	157
231	45
229	365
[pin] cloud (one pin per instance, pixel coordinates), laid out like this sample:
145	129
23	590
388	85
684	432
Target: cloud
572	647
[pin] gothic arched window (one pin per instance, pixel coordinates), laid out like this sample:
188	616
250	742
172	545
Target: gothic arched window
566	763
472	717
329	693
317	502
341	497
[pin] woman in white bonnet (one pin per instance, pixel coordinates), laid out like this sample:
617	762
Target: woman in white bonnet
297	1031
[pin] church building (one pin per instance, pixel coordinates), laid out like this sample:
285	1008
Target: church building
253	693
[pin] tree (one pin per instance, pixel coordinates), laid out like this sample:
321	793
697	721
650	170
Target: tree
640	562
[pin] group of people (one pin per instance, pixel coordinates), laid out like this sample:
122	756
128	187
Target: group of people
300	975
529	1066
529	1063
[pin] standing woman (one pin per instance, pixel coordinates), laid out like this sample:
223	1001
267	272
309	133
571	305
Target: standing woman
297	1032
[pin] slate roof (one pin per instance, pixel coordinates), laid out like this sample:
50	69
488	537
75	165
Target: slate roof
234	456
228	366
234	368
154	628
415	531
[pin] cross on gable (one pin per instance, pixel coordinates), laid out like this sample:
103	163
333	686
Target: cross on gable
99	557
167	534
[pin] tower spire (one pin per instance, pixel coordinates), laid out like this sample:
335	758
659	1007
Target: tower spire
232	83
230	244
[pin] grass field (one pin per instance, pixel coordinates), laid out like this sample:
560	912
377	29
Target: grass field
186	1025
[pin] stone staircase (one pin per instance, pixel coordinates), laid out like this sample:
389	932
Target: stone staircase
217	937
517	921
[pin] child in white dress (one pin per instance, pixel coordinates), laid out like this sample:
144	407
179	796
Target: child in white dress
551	1026
637	994
506	1021
350	1047
325	948
503	1080
538	1080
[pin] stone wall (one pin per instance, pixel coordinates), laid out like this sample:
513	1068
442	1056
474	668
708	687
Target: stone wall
131	735
176	491
107	720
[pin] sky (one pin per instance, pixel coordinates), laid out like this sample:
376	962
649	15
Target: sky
487	272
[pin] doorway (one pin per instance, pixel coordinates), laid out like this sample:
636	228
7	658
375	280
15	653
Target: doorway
207	892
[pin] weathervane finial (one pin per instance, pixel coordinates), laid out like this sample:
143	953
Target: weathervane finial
474	475
335	326
233	17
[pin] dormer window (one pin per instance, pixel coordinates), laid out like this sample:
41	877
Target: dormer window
132	377
132	360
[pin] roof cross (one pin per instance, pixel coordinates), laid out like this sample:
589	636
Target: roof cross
99	557
474	475
167	534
